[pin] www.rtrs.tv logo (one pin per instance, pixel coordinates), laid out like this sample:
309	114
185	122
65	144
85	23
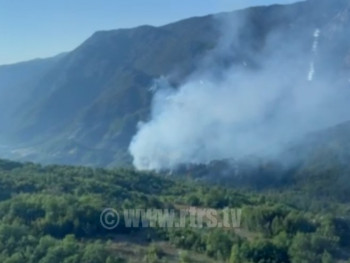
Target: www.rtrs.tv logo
110	218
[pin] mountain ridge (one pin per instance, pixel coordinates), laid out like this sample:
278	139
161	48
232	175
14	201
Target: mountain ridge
93	97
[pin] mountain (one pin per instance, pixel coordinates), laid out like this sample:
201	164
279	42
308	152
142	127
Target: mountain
18	81
83	107
90	100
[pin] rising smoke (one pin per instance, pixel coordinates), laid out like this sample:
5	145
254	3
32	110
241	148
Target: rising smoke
314	51
267	96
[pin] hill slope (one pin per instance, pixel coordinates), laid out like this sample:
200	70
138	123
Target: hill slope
52	214
84	107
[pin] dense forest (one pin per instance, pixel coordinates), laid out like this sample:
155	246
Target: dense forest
258	104
52	214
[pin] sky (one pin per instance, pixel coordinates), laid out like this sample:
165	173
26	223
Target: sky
42	28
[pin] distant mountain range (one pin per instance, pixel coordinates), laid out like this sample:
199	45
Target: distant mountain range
83	107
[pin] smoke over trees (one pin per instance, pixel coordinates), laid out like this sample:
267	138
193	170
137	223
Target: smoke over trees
268	82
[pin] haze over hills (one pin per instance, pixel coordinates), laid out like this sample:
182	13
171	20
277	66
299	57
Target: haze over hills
92	98
84	107
238	117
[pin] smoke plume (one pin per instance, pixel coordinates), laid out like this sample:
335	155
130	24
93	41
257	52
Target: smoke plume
253	94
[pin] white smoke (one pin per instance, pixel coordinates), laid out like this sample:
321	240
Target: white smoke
316	36
250	107
311	74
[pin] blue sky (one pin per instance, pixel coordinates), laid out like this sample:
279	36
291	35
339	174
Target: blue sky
42	28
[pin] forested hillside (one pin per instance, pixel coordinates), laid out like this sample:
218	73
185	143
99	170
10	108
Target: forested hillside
52	214
245	112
